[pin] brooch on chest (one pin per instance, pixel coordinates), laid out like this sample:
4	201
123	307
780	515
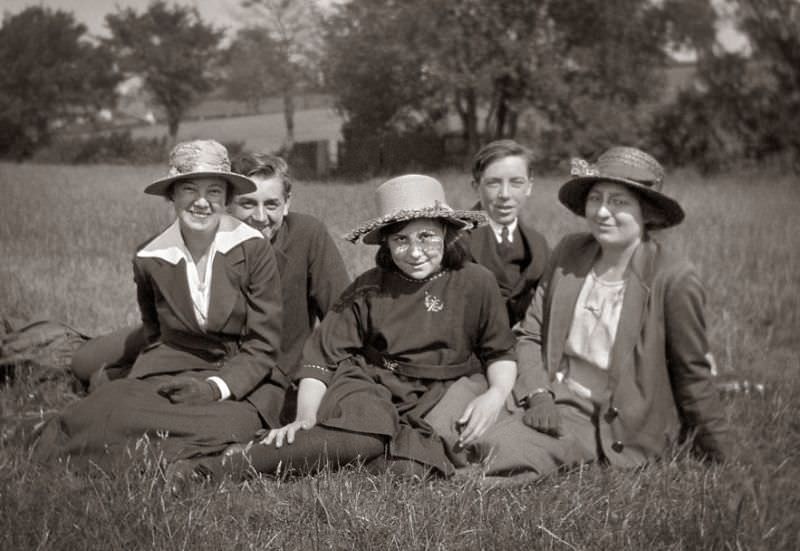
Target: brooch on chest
433	303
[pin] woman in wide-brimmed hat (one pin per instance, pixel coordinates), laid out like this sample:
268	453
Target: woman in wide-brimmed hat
612	353
209	294
386	353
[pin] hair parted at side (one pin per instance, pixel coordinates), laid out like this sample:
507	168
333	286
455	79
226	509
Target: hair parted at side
454	256
265	165
496	150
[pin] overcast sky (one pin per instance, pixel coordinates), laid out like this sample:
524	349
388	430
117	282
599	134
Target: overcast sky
219	12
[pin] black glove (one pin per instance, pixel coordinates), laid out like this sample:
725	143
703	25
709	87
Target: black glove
542	414
189	391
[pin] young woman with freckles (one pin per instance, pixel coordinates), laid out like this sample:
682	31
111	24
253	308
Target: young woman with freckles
400	335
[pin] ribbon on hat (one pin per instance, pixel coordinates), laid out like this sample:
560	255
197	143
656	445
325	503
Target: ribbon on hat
581	167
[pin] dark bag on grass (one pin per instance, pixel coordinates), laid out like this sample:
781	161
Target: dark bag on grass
43	349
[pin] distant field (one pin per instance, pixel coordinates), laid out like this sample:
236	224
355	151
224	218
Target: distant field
259	132
66	239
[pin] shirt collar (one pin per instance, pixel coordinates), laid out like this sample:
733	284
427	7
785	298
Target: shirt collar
497	228
169	245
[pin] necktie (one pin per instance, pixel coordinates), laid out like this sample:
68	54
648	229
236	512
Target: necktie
504	247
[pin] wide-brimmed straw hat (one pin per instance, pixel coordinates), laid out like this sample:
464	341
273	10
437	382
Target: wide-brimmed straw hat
628	166
198	159
410	197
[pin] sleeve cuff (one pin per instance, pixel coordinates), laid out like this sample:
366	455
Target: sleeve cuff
314	371
224	391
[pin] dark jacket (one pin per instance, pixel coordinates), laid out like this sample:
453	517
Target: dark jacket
241	341
313	275
659	374
518	295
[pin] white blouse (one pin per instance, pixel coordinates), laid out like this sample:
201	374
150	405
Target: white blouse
593	330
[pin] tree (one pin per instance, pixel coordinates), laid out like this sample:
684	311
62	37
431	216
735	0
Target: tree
379	82
277	53
745	107
171	49
774	30
51	73
587	73
249	61
488	55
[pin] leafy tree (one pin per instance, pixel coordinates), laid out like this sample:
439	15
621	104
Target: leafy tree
773	27
249	61
173	51
51	73
588	74
744	107
375	66
277	54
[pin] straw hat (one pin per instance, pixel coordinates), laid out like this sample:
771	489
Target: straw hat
628	166
410	197
198	159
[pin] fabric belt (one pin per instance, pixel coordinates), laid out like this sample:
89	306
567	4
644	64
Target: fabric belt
436	372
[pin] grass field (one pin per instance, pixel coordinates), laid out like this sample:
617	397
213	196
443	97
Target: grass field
66	239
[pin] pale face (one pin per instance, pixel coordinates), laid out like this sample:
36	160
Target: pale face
199	203
614	215
503	188
265	208
417	250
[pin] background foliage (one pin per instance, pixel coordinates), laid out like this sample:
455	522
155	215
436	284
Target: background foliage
569	77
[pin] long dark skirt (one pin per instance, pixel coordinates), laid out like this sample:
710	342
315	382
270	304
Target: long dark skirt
371	400
104	427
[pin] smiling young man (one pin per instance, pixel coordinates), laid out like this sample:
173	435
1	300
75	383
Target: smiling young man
513	250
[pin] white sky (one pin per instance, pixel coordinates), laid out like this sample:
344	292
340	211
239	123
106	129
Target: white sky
221	13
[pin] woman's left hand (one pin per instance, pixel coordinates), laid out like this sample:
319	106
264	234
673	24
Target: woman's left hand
481	413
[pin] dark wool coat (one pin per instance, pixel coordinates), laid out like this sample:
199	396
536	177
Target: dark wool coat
659	379
242	339
239	345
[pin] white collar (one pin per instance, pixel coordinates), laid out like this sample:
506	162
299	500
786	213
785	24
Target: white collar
498	228
169	244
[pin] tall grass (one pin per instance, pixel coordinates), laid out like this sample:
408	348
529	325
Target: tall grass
67	235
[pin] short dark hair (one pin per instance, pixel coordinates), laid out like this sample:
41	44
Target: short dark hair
170	193
266	165
496	150
455	251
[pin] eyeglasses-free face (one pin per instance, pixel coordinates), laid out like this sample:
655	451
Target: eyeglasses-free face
504	187
417	249
199	203
265	208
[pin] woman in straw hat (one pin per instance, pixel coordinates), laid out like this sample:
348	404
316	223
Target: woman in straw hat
311	269
612	353
209	294
387	352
